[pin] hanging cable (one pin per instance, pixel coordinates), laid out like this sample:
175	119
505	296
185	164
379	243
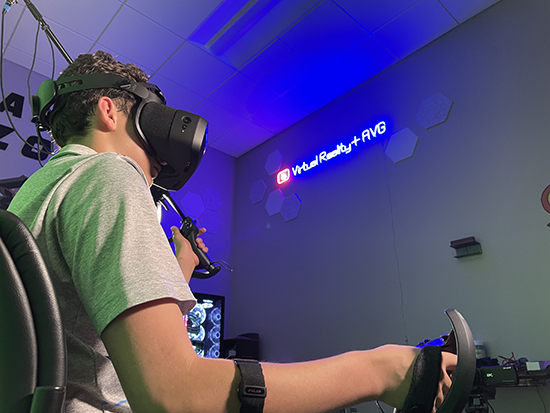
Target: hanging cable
39	143
53	57
29	94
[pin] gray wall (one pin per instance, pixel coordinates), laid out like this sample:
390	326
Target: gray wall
217	172
367	261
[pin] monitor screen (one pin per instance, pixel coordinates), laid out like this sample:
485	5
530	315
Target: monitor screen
205	325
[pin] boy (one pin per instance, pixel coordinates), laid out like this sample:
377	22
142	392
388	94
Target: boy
120	287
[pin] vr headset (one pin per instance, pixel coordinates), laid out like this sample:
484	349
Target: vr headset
175	136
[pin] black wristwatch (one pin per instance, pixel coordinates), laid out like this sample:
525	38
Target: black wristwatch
252	390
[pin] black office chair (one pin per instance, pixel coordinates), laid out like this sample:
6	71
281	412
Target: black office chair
33	360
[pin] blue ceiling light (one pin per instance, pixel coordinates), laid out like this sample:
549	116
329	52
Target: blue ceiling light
246	17
229	22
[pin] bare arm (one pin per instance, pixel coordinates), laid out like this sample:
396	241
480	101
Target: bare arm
158	368
160	372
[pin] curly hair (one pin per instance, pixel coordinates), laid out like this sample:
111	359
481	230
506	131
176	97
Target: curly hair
72	113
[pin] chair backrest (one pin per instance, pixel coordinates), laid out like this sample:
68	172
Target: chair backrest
33	359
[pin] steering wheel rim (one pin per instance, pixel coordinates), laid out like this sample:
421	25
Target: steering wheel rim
463	377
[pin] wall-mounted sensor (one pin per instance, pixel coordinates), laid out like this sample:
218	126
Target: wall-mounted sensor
466	246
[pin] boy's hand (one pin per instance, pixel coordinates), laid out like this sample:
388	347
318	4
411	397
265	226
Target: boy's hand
397	368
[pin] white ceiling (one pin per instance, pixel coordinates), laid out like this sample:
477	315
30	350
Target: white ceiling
251	68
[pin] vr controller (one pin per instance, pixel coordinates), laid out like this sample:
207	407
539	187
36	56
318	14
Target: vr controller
205	269
426	373
189	230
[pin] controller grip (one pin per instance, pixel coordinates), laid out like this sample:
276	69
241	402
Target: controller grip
190	231
425	381
204	264
426	373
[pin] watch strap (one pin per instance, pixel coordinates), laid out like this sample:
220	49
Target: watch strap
252	390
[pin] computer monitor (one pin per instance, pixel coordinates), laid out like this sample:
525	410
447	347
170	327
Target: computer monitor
205	325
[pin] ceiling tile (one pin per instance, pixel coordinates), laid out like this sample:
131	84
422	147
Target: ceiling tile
23	59
140	39
220	120
247	136
310	97
462	10
324	33
72	42
225	27
180	17
280	115
196	69
279	67
227	148
282	16
355	66
88	18
210	26
415	28
359	63
11	19
176	96
242	95
374	14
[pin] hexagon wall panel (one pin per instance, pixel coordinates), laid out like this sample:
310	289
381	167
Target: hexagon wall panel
212	199
192	204
434	110
274	202
291	207
401	145
257	191
273	163
211	221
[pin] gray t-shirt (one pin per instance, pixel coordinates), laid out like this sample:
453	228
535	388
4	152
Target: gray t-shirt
96	225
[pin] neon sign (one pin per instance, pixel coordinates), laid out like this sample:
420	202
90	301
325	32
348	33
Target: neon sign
324	156
283	176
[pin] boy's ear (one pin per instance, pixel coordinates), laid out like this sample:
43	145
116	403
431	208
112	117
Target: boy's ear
106	114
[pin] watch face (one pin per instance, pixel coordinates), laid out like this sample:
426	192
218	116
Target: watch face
254	391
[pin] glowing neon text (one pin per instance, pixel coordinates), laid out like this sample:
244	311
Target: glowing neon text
341	148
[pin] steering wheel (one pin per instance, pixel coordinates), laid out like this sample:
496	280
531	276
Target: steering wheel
427	368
